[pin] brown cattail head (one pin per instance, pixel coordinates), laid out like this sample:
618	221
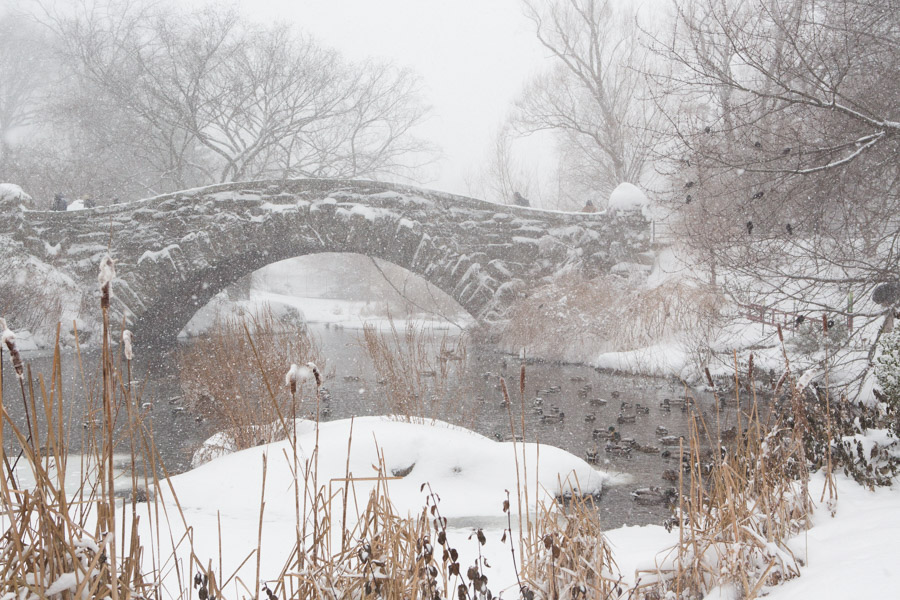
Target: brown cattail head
781	381
290	378
824	323
316	373
750	368
780	335
9	338
104	278
522	380
709	378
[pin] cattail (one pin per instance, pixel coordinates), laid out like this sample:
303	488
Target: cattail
126	342
290	378
780	335
522	380
316	373
750	368
781	381
9	338
709	378
105	277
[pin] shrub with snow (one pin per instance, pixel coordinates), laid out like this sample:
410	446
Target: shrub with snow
887	371
12	195
628	197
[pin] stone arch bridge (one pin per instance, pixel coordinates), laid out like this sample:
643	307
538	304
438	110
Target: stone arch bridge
175	252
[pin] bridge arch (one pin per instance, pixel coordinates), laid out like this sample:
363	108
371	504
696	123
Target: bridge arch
175	252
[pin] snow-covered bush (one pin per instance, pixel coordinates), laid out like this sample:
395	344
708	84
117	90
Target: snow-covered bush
12	196
810	338
887	371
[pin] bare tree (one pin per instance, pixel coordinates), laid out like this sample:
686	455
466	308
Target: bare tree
222	99
25	77
789	123
597	98
503	173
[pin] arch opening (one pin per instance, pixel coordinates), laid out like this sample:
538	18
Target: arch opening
335	289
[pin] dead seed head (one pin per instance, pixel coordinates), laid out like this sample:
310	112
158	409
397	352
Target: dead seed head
126	342
107	270
316	373
9	338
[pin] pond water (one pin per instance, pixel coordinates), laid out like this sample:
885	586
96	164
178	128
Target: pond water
590	401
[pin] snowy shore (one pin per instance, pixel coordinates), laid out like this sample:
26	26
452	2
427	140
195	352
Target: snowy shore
851	554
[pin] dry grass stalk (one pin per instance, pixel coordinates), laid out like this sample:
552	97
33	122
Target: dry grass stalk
611	314
738	508
568	556
421	375
232	376
63	541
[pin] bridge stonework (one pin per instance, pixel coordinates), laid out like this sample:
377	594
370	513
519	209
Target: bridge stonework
175	252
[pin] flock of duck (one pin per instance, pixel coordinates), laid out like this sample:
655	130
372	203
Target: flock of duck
613	441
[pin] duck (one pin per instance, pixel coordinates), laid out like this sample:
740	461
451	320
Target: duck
553	418
597	402
653	496
608	434
590	418
641	409
592	456
617	450
622	419
670	440
646	449
670	475
661	431
665	405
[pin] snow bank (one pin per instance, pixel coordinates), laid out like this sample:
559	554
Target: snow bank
13	194
469	471
627	197
661	360
850	555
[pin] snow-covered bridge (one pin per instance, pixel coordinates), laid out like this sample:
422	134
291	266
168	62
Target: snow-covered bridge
175	252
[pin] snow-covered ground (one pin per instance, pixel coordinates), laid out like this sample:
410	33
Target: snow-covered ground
853	554
469	472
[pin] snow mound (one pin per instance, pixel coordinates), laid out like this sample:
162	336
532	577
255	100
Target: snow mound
628	197
13	194
76	205
469	471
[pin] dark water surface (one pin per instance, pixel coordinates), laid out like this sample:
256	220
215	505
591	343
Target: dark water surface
577	391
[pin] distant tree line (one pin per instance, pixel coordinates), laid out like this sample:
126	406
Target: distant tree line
130	99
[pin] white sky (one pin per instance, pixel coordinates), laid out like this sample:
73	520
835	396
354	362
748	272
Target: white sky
473	57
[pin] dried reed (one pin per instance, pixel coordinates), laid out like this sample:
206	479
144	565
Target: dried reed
230	376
